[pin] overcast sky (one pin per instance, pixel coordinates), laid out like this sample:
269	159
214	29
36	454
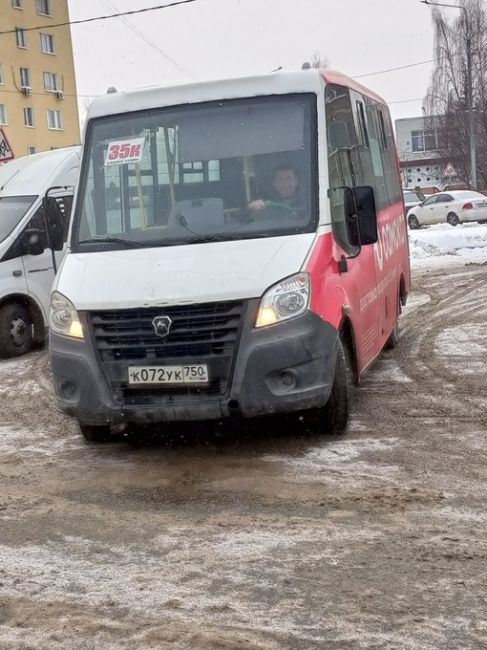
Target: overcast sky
220	38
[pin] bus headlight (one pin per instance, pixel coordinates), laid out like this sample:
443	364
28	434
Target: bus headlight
63	317
285	300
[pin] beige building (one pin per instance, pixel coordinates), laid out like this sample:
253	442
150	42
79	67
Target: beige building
38	104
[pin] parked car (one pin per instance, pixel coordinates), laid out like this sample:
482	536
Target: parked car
412	198
452	207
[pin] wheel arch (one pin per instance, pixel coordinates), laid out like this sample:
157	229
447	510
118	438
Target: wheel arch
347	334
35	312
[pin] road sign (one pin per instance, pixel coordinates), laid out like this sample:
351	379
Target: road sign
6	152
450	171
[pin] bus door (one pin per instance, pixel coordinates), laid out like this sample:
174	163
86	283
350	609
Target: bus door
347	163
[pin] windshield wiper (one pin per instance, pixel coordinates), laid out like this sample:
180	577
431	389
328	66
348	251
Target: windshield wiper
198	237
128	243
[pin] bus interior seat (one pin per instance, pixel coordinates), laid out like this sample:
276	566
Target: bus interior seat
200	214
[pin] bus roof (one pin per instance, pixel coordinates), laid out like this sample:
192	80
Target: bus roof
334	77
276	83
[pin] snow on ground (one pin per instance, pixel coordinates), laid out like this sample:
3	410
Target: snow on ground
444	245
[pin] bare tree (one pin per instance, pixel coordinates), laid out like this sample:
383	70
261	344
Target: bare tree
318	61
447	96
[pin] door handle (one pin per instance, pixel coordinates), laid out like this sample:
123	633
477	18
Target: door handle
40	270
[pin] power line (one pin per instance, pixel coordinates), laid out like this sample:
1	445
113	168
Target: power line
146	40
406	101
401	67
92	20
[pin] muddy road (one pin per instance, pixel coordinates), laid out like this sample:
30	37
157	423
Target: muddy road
246	538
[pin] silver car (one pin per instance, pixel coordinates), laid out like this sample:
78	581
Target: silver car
451	207
412	198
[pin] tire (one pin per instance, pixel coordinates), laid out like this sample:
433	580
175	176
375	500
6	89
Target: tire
95	433
393	339
453	219
333	417
413	222
15	330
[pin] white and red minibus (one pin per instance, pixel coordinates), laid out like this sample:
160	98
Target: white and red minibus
237	248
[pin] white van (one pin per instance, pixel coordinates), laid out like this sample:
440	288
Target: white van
28	255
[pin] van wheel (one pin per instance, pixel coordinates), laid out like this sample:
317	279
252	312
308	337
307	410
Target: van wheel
15	330
333	417
95	433
453	219
413	222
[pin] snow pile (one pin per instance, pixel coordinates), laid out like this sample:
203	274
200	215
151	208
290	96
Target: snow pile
462	243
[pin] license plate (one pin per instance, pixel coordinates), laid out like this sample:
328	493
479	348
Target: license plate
192	374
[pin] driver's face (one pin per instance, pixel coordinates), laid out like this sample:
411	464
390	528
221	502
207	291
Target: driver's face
285	183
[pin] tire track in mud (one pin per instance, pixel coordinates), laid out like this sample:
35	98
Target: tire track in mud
41	371
371	540
438	389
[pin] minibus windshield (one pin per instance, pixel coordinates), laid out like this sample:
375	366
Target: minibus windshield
12	209
198	173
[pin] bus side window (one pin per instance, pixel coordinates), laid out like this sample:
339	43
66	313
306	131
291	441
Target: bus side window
342	145
377	141
391	174
364	134
350	161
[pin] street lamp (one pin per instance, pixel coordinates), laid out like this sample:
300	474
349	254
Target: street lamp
471	123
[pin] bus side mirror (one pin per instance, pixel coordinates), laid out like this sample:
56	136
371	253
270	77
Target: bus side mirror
32	242
54	223
366	214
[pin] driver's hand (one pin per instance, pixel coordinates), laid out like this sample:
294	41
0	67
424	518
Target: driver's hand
257	205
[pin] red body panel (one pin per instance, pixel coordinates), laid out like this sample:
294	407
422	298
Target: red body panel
368	292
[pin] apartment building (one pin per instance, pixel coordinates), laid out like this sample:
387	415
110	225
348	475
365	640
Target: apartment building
38	103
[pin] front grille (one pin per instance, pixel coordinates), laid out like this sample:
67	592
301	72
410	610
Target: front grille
206	333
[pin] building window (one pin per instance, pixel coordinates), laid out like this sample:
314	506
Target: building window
2	78
51	81
44	7
3	114
31	150
47	43
25	79
17	4
54	120
21	37
29	117
424	140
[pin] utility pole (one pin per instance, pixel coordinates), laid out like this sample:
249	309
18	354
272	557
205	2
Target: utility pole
471	116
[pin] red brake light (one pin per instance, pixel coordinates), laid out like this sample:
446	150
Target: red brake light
468	206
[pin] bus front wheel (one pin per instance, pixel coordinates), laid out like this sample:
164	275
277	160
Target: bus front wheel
333	417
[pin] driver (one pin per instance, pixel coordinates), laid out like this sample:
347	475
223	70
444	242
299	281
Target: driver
286	190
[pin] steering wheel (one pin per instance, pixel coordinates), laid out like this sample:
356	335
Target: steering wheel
279	206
